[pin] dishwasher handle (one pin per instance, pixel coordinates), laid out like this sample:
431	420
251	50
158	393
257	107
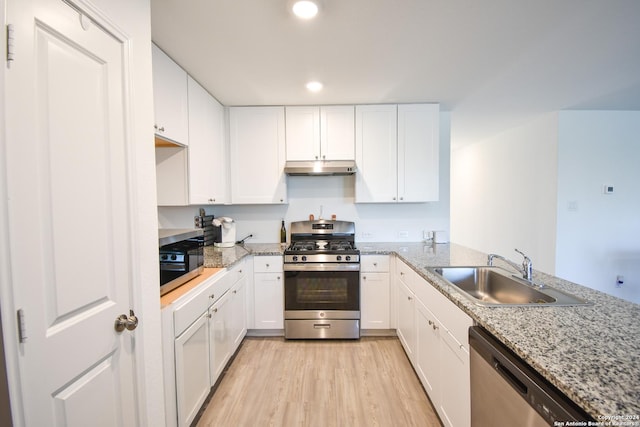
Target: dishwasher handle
511	377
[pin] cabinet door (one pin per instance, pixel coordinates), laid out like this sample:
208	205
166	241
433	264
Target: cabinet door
269	300
192	369
169	98
418	151
376	154
257	143
238	325
207	149
428	352
219	336
337	132
374	300
303	133
455	402
406	320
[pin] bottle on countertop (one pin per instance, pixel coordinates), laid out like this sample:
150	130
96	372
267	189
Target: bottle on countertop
283	233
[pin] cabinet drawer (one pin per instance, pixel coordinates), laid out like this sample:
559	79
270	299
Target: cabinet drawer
267	264
374	263
203	296
238	271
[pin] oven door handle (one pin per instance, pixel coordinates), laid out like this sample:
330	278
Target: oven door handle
320	266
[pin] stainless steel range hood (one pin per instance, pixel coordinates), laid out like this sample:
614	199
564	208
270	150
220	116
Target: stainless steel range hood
320	168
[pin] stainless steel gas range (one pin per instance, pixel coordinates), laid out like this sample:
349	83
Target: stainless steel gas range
322	281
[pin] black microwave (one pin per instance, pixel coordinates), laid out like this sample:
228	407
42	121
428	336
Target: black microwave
181	257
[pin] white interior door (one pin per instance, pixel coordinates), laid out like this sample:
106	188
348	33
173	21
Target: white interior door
69	216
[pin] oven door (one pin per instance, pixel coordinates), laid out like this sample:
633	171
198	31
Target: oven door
310	293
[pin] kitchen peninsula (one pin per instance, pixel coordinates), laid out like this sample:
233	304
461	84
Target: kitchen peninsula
590	353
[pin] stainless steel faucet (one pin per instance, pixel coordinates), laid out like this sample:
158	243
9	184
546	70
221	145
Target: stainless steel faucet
526	269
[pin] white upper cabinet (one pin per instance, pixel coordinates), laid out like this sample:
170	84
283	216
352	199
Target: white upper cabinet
257	141
397	153
170	98
208	182
320	133
376	154
418	152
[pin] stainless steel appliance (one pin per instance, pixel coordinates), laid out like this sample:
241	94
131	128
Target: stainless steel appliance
506	391
322	281
181	257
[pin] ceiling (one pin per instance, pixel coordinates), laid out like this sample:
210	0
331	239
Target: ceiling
480	59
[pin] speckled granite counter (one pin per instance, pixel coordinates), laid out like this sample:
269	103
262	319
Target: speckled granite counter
227	257
591	353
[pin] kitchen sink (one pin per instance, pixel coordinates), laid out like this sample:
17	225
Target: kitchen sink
494	286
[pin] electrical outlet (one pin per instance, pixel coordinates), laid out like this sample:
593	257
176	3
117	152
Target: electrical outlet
367	235
403	234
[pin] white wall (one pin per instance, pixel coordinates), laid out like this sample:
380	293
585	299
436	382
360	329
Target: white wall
503	192
598	235
374	222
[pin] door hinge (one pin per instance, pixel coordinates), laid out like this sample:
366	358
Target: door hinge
22	330
10	44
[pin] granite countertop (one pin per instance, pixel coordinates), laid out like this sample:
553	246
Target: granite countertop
591	353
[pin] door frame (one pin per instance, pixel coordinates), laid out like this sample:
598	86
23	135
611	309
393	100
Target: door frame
131	21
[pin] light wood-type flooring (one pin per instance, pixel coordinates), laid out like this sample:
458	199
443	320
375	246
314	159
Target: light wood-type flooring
273	382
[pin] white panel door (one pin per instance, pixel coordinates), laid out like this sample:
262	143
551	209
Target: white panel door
337	132
374	300
269	300
302	133
418	152
376	154
257	143
192	369
68	181
208	164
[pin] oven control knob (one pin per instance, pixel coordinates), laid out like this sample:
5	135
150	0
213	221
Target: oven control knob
348	258
339	258
163	257
304	257
295	258
174	257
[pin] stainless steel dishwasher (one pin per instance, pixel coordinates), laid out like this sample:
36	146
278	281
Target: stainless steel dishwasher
505	391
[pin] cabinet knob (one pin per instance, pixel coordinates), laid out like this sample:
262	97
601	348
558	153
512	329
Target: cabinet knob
409	298
155	127
364	277
435	326
278	277
394	198
240	271
209	315
316	157
375	264
212	296
281	200
235	291
267	265
161	129
215	310
212	200
401	198
430	323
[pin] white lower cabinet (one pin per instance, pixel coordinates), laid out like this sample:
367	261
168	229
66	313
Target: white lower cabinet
202	329
192	369
268	281
219	336
439	351
374	292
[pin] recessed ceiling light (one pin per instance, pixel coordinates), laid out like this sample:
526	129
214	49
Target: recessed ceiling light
314	86
305	9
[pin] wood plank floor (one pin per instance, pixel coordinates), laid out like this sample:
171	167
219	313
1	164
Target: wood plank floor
273	382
